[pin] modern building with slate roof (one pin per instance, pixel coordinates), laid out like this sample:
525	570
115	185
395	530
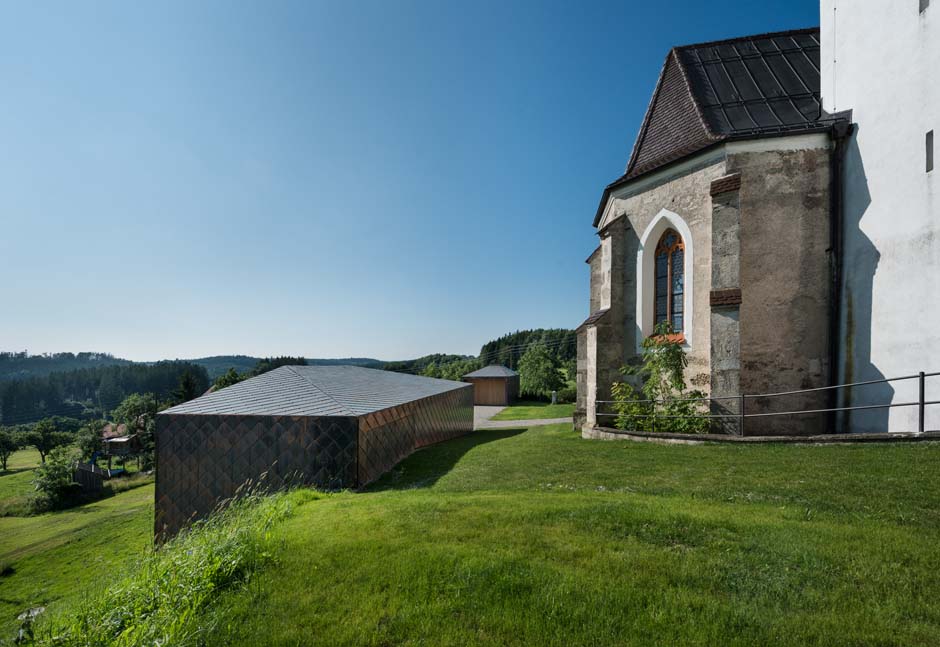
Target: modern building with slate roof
725	226
494	385
327	426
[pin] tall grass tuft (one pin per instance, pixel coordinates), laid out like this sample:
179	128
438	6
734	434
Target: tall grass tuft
163	601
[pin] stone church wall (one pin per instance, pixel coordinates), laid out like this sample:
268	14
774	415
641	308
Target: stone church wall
755	218
615	340
784	281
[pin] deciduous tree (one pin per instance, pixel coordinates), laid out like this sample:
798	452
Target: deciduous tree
228	379
45	437
88	439
538	372
9	443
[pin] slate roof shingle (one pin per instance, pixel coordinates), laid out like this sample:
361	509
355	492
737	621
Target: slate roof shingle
741	88
317	391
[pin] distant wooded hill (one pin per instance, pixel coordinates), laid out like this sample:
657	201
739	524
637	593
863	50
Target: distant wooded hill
19	366
92	392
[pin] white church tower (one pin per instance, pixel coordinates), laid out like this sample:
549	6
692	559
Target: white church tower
880	59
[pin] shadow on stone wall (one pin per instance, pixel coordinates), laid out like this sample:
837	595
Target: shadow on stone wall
860	263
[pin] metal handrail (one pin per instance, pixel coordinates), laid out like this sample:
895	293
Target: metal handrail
842	386
856	408
741	415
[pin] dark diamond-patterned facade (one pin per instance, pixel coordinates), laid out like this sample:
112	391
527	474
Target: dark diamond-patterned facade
202	460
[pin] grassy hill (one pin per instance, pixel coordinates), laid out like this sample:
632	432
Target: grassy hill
59	558
537	537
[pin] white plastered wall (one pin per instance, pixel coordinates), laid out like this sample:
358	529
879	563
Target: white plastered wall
881	60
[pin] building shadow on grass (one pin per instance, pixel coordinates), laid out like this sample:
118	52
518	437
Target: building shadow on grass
15	470
426	466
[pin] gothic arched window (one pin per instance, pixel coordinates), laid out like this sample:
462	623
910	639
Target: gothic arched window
670	280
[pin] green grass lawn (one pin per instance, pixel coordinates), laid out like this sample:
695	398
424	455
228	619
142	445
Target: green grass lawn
526	410
56	558
542	538
16	483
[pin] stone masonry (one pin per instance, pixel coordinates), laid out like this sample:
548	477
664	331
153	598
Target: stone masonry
757	223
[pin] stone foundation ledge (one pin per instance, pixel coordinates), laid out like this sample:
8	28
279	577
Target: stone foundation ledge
607	433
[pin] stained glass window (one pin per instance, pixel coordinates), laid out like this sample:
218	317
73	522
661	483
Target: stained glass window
670	280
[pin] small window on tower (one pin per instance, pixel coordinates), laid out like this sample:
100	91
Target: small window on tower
923	5
930	151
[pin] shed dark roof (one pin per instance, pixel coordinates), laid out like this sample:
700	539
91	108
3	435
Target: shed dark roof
493	370
317	391
742	88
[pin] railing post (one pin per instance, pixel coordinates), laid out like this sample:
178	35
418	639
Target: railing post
920	403
741	414
654	415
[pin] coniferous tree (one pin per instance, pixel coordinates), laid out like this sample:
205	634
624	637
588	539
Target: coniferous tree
187	389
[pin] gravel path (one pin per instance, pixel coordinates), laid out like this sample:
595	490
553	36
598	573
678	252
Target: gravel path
482	415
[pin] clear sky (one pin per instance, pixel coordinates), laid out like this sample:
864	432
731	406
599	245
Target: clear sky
383	179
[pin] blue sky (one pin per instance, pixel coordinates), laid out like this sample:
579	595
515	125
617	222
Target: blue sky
383	179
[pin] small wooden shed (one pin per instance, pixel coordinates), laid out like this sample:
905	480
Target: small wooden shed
494	385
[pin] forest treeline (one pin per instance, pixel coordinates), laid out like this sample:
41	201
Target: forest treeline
21	365
561	343
92	392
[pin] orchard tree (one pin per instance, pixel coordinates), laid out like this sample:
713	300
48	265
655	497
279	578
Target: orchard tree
9	443
45	437
539	372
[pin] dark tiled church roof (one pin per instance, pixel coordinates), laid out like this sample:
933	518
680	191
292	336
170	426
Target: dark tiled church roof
743	88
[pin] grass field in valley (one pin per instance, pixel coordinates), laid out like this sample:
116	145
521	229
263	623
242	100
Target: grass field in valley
56	558
542	538
526	410
16	483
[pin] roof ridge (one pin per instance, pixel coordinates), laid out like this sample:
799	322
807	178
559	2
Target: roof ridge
672	56
646	117
741	39
695	102
342	406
